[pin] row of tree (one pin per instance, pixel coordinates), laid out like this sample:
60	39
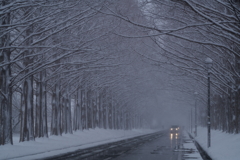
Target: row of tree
74	65
197	30
61	68
185	33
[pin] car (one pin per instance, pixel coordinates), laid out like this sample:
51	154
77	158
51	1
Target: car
174	129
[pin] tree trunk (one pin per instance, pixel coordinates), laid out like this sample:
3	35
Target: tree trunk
69	117
82	105
107	115
78	114
53	120
65	115
56	112
44	105
58	107
28	122
38	109
6	101
87	110
101	114
113	114
97	110
93	110
237	88
75	113
21	117
5	75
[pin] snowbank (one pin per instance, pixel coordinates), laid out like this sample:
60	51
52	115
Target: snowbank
224	146
44	147
188	145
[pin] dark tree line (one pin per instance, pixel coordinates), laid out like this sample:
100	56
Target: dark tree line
56	62
186	33
197	30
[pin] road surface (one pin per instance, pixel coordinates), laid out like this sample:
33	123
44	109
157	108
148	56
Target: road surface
157	149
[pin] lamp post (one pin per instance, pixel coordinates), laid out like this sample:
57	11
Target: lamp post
191	120
195	93
208	62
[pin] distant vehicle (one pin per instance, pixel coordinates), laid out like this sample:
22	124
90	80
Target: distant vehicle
174	129
174	132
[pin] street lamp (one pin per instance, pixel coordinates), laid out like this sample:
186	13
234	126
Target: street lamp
208	62
195	93
191	122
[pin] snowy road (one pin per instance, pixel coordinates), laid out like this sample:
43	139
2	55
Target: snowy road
157	146
108	150
158	149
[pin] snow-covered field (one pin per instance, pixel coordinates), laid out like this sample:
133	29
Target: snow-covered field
43	147
224	146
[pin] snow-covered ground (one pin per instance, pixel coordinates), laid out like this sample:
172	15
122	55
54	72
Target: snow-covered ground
44	147
224	146
188	144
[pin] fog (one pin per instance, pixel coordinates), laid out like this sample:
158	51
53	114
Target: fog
74	65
